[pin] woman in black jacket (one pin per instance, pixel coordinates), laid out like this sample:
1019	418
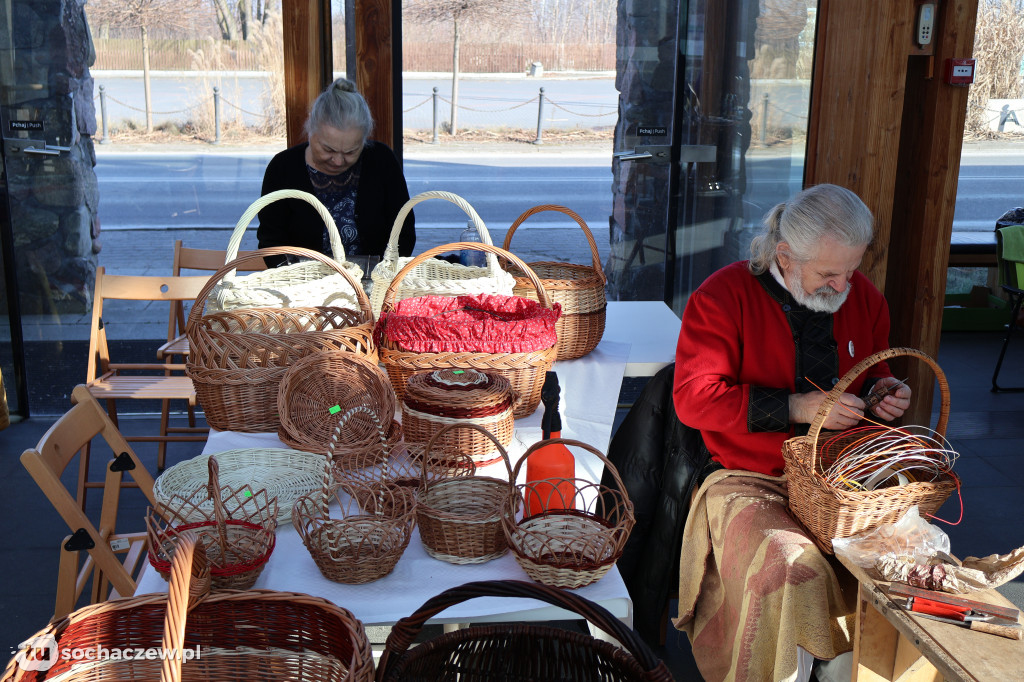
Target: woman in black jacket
358	180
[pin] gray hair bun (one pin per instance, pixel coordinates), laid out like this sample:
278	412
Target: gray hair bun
344	85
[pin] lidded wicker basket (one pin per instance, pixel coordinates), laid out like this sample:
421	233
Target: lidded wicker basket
436	276
460	518
829	512
442	397
578	288
238	537
573	546
525	371
298	285
375	524
238	358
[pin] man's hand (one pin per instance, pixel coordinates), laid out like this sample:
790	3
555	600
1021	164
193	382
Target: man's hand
844	414
894	404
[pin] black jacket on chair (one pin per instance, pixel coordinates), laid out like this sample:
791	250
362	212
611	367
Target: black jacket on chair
659	459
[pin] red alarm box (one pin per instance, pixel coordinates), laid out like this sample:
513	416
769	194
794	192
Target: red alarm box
959	71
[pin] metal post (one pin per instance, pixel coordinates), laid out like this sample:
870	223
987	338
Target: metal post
764	118
540	116
435	140
216	115
103	115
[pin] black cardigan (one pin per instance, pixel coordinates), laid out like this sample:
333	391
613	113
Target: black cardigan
381	193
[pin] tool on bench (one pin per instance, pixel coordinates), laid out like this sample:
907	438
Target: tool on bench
958	611
954	601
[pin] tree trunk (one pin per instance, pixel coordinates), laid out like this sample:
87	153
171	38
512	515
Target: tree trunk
225	21
145	79
455	79
244	18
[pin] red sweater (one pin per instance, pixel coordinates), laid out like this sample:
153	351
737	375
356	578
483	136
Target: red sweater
736	362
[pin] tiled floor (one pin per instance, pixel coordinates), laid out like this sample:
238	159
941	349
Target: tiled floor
987	429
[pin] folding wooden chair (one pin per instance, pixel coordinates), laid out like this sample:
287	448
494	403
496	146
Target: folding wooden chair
47	462
1010	256
160	381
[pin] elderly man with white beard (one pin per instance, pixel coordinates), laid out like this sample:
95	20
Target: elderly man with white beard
761	342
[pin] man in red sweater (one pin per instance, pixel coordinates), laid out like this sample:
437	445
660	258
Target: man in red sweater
762	341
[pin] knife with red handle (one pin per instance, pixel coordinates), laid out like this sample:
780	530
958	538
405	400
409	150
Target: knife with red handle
964	617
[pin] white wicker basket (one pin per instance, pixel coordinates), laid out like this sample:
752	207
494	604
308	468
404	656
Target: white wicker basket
434	276
299	285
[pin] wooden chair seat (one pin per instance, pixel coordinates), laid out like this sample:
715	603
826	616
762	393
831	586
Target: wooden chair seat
113	386
176	346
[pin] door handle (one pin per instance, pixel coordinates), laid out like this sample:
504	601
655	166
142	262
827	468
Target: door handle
652	153
632	155
41	152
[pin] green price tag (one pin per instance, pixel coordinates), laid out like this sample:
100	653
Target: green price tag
248	493
458	371
335	410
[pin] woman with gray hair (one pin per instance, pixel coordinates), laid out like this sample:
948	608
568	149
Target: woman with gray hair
359	181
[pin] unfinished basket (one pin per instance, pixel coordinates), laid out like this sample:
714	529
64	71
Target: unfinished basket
299	285
436	399
319	385
238	537
579	288
368	538
238	358
524	371
829	512
222	636
460	518
284	474
569	547
436	276
518	651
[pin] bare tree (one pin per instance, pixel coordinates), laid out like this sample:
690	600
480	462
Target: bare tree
460	13
226	20
144	15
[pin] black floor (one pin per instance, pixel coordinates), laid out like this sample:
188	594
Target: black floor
986	428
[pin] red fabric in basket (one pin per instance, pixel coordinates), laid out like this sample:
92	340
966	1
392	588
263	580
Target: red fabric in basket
480	323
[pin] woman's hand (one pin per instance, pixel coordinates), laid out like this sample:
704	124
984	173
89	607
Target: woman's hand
844	414
894	404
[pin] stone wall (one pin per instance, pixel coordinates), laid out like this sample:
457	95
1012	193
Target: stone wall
54	199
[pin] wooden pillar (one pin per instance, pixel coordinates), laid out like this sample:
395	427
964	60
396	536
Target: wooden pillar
378	60
308	66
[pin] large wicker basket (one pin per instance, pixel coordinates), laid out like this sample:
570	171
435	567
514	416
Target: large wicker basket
579	288
520	651
569	547
436	276
238	358
460	518
299	285
226	636
525	371
829	512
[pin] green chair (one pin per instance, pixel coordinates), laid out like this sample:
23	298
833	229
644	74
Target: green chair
1010	255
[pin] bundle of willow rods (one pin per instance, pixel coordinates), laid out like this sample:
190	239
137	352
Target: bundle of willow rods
851	458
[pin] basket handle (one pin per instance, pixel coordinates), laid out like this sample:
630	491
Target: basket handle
389	295
255	207
325	486
464	425
391	251
196	313
572	443
837	391
572	214
406	630
188	584
213	491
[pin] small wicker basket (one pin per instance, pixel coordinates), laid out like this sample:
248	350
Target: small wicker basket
828	512
575	546
460	518
238	537
579	288
374	526
237	359
524	371
442	397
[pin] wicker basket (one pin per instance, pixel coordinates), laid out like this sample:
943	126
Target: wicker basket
238	537
579	288
226	636
237	359
320	385
436	276
442	397
828	512
460	518
374	527
519	651
569	547
300	285
524	371
284	474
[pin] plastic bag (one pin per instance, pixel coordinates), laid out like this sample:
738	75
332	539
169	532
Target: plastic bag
911	537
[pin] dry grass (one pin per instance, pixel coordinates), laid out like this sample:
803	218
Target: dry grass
999	50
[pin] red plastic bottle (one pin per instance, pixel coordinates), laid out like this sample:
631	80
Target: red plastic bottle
552	461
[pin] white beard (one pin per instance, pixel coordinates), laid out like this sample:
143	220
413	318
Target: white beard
824	300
